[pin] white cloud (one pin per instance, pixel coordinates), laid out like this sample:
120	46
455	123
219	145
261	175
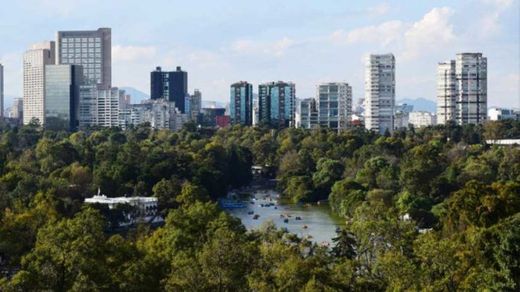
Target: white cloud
379	10
430	33
490	21
498	3
276	48
132	53
385	33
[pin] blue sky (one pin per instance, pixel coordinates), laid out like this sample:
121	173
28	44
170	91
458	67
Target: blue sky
304	41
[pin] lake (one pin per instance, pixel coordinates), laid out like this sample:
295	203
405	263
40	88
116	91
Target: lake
320	223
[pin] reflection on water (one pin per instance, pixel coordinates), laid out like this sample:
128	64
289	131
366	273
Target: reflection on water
316	222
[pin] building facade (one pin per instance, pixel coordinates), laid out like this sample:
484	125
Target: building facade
172	86
402	115
471	74
422	119
306	113
88	106
158	113
462	89
108	107
34	62
334	104
16	110
195	105
91	49
499	114
380	92
446	92
241	103
276	104
62	83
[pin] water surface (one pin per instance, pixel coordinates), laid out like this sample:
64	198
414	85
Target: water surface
321	224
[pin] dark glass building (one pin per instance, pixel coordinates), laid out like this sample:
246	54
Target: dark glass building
276	104
172	85
62	84
241	103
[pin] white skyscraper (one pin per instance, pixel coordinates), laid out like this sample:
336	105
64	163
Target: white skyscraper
34	61
380	92
446	92
462	89
471	74
108	107
334	103
1	91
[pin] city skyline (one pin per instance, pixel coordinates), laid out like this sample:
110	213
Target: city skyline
333	37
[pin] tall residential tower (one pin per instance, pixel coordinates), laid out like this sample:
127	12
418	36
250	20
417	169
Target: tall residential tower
380	92
471	74
334	103
446	92
462	89
241	103
276	104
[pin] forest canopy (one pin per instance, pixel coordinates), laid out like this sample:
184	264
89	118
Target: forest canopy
425	209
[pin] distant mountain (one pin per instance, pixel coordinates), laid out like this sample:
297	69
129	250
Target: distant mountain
420	104
137	95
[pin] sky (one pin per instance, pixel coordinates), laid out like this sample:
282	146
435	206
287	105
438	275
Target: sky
303	41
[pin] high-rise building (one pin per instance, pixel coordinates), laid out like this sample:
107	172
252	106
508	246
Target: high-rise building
380	92
62	83
34	62
195	105
108	107
1	91
306	113
334	103
241	103
255	111
276	104
446	92
471	74
91	49
88	106
462	89
172	86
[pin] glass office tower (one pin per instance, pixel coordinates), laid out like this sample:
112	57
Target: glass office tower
277	104
241	103
62	83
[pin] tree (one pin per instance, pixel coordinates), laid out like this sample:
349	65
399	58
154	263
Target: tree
67	255
328	171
